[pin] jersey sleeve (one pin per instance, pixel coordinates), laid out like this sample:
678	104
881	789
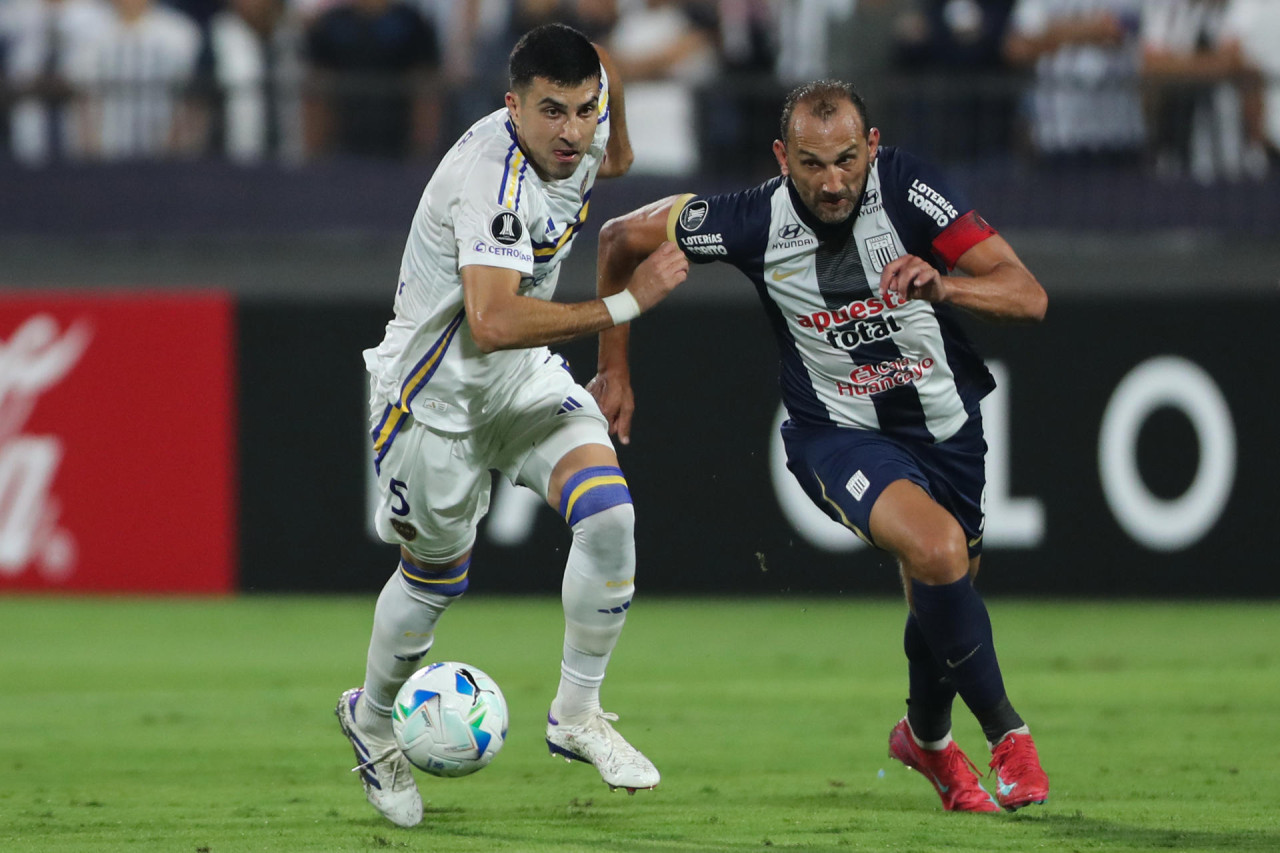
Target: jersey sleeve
729	227
490	224
604	126
603	104
933	217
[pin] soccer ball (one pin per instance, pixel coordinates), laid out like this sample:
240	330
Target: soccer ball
450	719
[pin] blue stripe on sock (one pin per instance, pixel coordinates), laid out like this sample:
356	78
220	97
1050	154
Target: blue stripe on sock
593	490
447	582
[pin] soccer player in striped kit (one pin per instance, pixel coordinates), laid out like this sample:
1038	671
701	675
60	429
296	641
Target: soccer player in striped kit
463	384
851	250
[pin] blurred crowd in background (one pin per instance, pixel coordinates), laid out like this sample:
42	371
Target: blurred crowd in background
1175	88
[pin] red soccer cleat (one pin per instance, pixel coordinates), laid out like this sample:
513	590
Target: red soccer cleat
1020	781
952	773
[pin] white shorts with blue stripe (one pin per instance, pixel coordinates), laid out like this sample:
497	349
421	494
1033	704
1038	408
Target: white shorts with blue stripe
433	487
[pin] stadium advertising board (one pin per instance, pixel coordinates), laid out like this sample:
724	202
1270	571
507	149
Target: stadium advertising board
117	443
1129	454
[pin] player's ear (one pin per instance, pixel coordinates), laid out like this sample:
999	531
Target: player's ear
873	142
513	108
780	152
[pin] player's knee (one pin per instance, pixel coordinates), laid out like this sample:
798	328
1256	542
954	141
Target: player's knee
599	578
614	527
596	503
607	538
937	558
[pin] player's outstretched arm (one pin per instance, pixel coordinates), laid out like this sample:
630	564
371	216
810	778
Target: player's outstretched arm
500	318
618	155
996	285
625	243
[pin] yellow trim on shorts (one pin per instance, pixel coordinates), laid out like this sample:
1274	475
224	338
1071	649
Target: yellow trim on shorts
844	519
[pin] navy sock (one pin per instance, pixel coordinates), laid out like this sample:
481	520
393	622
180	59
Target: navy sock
931	692
956	625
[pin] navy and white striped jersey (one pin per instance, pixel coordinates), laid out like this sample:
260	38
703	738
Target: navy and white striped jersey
849	357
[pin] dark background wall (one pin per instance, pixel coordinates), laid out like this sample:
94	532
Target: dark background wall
710	517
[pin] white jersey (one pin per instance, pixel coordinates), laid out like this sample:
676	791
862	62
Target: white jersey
484	205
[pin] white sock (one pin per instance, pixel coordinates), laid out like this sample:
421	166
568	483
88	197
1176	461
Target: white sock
581	675
1020	730
596	591
404	623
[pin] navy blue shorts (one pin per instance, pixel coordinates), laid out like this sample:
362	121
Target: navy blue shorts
844	470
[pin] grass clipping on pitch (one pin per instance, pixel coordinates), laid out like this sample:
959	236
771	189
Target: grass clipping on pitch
181	725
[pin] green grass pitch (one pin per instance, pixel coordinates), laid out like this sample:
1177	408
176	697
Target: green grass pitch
197	725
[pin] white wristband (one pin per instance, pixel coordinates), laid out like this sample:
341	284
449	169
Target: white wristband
622	307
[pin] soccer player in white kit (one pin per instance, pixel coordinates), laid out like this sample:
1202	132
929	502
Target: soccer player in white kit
463	384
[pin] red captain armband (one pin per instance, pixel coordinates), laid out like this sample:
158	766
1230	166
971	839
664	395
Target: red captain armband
961	236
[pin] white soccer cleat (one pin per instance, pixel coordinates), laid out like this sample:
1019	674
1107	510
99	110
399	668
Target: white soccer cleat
385	773
594	741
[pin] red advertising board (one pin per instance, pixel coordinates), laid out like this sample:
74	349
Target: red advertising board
117	442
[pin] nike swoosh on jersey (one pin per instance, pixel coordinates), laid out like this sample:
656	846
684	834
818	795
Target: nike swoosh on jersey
779	275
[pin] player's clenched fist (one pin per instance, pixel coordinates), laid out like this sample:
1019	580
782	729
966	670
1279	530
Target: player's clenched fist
658	275
910	277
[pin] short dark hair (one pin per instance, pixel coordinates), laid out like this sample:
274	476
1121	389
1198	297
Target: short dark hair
823	98
556	52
